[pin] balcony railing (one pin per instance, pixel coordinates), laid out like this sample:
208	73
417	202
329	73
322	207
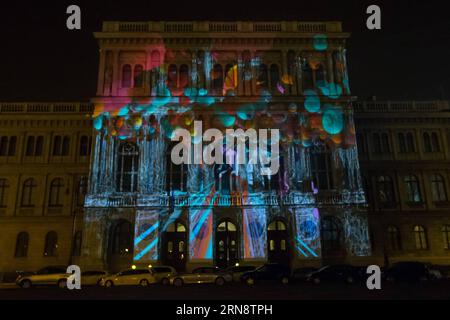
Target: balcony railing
219	26
46	107
400	106
227	200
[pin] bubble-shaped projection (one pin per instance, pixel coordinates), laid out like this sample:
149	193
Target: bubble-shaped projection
320	42
333	119
331	90
309	230
312	101
246	112
226	119
98	123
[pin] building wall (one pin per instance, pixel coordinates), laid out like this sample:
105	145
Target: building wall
37	218
417	118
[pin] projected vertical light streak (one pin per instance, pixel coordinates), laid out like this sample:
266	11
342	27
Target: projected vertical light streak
254	233
147	235
307	239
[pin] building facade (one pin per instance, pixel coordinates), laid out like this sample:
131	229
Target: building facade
95	185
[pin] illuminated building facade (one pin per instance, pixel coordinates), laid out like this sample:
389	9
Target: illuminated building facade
156	77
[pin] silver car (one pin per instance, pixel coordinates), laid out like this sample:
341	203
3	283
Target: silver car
130	277
199	275
53	275
163	274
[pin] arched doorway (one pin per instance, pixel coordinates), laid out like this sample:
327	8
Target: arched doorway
174	246
278	242
226	244
120	245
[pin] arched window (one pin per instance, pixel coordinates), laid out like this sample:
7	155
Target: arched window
176	226
217	78
122	239
84	146
76	247
21	245
263	77
4	186
307	76
402	142
56	193
435	147
172	76
446	236
184	76
81	191
65	146
51	244
276	225
320	75
28	189
126	76
39	146
29	151
412	188
385	145
12	146
274	78
385	188
427	142
176	174
127	168
230	77
438	190
226	226
321	168
4	146
410	145
394	239
331	233
420	236
138	76
57	143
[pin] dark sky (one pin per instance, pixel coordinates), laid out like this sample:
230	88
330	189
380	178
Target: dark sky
43	61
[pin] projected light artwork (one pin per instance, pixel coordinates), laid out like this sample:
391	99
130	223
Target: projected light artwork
147	235
254	233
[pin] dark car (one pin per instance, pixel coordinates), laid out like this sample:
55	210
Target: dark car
234	273
408	271
335	274
302	274
270	272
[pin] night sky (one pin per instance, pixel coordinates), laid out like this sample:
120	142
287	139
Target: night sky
43	61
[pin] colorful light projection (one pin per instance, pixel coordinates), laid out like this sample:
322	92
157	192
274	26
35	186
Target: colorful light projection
147	235
254	233
201	230
307	239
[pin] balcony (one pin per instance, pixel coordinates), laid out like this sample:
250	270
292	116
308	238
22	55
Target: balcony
226	200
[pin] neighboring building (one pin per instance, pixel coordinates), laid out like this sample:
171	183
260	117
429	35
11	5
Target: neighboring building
141	208
404	150
44	166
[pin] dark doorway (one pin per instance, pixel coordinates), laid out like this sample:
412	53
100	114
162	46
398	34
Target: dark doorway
226	244
120	246
278	242
174	246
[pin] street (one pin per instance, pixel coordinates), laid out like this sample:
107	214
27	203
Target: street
389	291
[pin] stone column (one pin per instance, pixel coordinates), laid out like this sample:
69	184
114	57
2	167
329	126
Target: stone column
254	69
330	67
240	74
116	73
101	73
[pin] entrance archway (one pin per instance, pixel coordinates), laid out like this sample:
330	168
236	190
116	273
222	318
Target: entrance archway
120	251
226	244
174	246
278	242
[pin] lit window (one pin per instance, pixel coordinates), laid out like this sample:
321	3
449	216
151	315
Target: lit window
420	236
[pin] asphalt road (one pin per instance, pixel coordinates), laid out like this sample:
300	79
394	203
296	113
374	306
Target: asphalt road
435	290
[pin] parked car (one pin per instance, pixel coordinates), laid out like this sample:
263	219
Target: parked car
163	274
130	277
270	272
199	275
52	275
92	278
409	271
234	273
335	274
302	274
